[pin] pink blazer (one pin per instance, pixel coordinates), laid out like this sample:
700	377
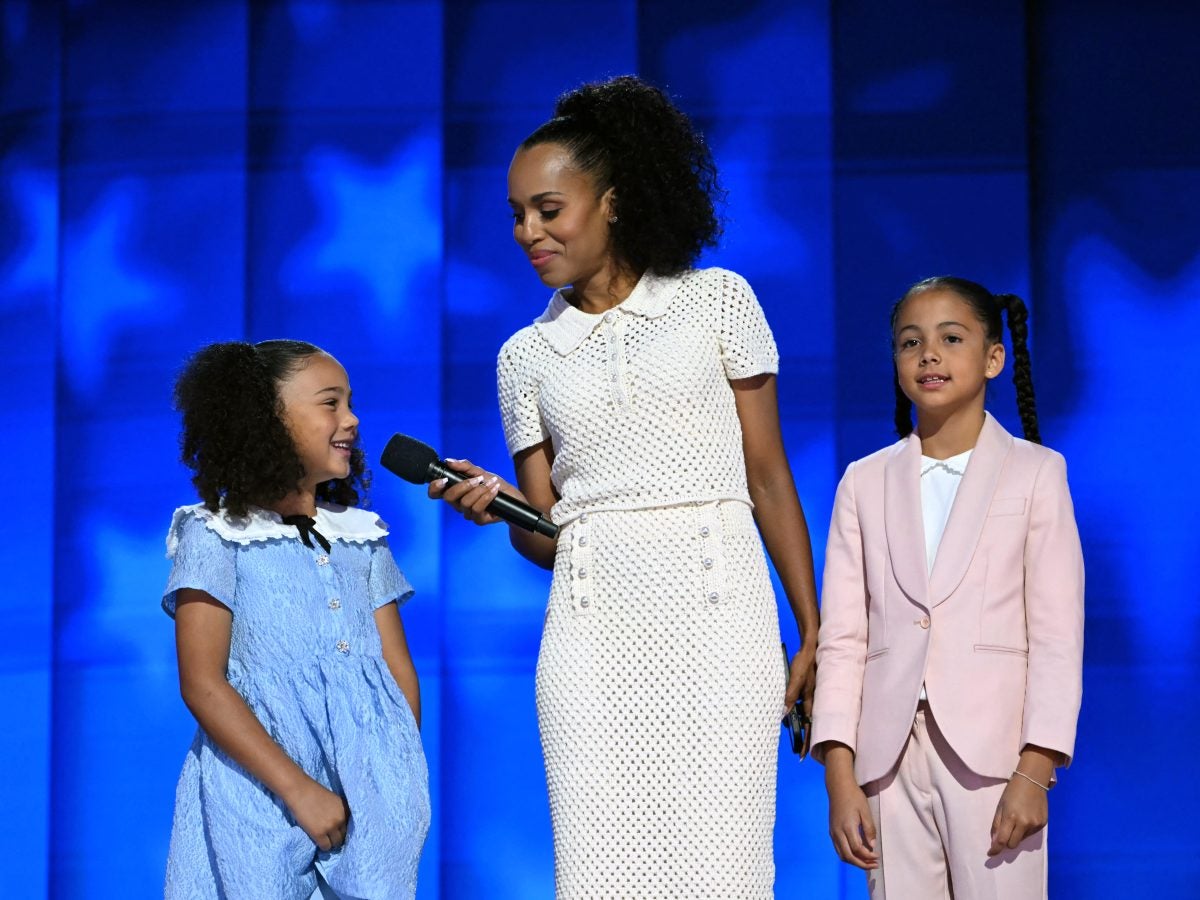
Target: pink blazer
995	632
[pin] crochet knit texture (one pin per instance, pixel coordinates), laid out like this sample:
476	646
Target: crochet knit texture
659	683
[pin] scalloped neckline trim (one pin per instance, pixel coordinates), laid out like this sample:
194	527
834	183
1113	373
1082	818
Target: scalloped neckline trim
337	523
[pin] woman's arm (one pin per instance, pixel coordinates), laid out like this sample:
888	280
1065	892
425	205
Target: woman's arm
202	634
533	475
472	496
396	655
780	519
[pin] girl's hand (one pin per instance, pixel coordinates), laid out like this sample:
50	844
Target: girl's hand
850	824
322	814
472	496
1022	811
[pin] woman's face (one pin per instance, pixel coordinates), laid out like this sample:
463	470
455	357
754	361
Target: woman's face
560	220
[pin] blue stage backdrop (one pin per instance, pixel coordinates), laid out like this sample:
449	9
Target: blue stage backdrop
174	174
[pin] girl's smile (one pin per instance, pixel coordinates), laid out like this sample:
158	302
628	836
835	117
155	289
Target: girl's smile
943	356
316	405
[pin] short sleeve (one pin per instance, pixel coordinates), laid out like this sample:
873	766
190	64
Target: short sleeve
386	582
201	560
747	345
517	388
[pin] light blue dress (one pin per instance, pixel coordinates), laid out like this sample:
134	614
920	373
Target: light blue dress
306	656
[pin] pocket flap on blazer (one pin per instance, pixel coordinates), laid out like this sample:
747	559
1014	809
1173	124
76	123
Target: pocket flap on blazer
1007	506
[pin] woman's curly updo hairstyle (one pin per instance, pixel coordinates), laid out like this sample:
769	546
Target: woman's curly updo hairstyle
627	135
234	437
986	307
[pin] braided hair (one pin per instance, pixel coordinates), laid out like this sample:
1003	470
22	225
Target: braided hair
987	308
234	436
628	135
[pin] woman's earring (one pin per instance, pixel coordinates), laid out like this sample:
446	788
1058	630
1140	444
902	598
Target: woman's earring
612	220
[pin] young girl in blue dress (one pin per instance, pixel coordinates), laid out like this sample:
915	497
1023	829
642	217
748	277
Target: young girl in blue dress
306	776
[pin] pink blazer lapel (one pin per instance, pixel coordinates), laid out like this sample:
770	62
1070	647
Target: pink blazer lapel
969	513
903	521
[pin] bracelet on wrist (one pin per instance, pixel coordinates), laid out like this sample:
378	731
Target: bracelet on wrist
1044	787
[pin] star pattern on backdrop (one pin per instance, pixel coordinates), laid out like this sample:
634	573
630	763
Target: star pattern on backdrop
104	288
378	224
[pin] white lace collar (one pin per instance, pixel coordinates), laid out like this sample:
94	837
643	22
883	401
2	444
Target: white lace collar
565	327
336	523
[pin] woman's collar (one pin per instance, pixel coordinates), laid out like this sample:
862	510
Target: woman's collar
565	327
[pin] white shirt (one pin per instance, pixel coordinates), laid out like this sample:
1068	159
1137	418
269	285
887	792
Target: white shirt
940	479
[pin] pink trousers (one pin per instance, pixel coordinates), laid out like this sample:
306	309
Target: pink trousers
934	819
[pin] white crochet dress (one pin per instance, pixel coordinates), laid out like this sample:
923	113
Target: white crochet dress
660	682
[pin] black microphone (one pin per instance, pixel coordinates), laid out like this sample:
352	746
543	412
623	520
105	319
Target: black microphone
417	462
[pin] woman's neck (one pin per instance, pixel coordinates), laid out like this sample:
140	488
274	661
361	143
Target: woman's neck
604	290
944	437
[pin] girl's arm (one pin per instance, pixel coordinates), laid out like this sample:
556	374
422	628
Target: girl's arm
850	824
1053	688
780	520
471	497
1023	808
202	634
842	657
843	641
396	655
1053	583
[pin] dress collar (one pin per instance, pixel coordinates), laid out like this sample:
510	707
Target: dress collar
565	327
344	523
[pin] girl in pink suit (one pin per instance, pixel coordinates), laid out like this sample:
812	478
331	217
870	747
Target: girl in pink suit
949	661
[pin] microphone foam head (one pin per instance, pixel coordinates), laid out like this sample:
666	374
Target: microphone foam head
409	458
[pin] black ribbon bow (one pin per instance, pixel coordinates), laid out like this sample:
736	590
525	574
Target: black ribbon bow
307	525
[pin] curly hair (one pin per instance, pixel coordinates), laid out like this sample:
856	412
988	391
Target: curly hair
628	135
986	307
234	437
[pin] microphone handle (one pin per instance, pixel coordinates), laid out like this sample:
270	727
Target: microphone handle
508	508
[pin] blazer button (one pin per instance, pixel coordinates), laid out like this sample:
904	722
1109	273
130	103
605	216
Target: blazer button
924	623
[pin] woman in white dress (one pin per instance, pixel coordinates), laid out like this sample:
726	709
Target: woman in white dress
640	409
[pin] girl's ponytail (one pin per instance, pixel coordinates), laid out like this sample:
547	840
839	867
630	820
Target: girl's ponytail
904	425
1018	328
232	433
